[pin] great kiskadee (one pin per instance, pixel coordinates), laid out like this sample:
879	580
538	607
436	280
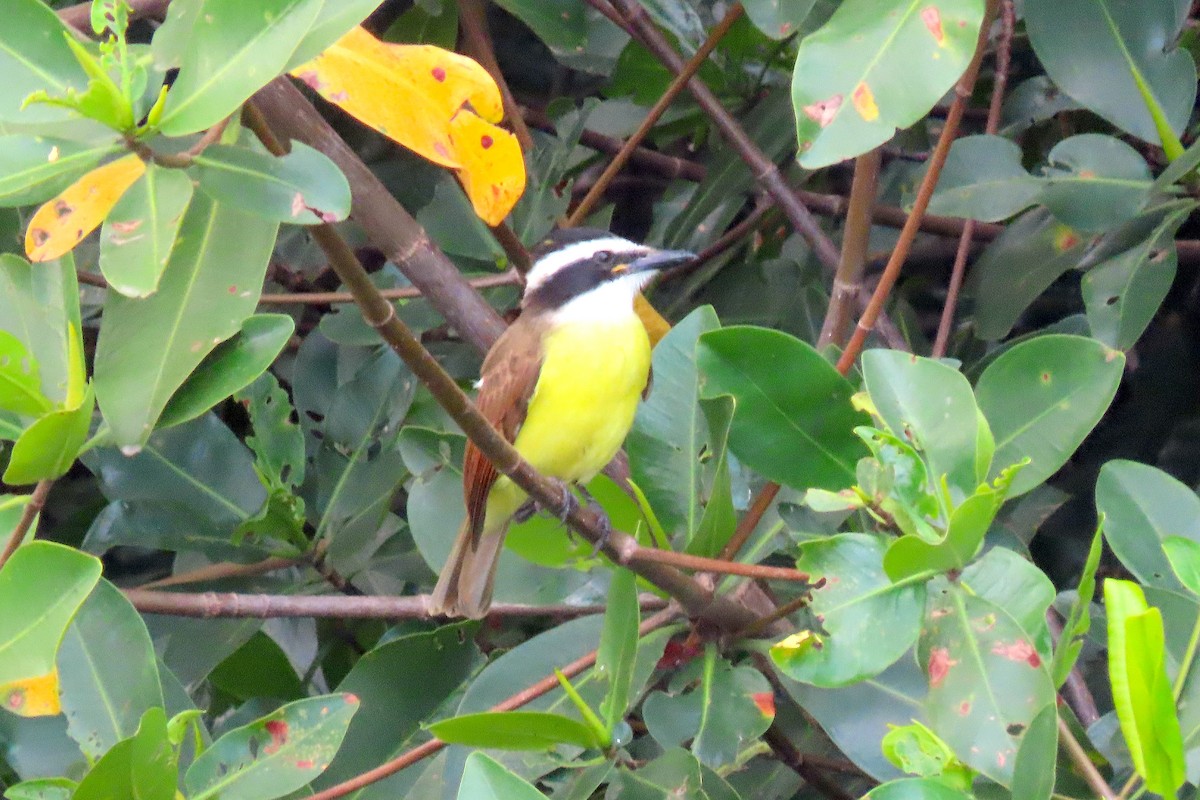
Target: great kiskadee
562	384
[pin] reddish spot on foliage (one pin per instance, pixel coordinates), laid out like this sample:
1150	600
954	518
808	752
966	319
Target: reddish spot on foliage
964	708
279	733
1020	650
126	227
940	663
822	112
765	702
1045	377
485	141
933	21
298	204
1087	174
311	78
441	150
15	699
62	208
232	288
305	764
352	699
439	74
1065	239
1001	759
39	237
339	97
785	28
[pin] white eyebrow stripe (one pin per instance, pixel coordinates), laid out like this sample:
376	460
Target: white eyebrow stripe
551	263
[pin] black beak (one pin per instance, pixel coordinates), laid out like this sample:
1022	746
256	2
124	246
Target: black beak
659	260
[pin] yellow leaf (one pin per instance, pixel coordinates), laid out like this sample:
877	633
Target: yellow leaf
62	222
32	697
408	93
656	326
493	169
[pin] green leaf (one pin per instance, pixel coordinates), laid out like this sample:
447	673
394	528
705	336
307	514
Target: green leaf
20	384
674	774
983	179
947	432
1142	507
987	681
867	620
1029	255
875	67
259	668
38	304
111	776
1042	397
561	25
108	673
232	366
41	789
49	446
148	347
153	761
278	443
303	187
514	730
720	519
669	431
1079	622
716	705
334	20
793	421
1123	293
34	55
1112	57
916	789
42	585
778	18
1141	689
1009	580
139	233
486	779
35	168
232	50
1094	181
918	751
1034	772
618	645
274	755
1184	555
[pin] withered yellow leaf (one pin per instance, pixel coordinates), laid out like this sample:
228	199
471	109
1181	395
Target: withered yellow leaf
493	169
63	221
408	93
32	697
656	326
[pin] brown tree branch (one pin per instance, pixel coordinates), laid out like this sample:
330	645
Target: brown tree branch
509	278
856	235
37	500
962	92
472	18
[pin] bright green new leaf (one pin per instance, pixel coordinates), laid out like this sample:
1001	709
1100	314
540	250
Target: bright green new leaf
111	776
487	779
917	789
34	55
20	384
1079	621
153	761
39	303
139	233
303	187
49	446
514	730
274	755
875	66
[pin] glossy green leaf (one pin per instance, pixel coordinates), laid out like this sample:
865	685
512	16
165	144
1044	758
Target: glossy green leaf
153	761
669	431
987	681
1113	57
1029	255
274	755
20	384
1123	293
793	421
1094	181
1042	397
111	776
947	432
983	179
1079	621
875	67
1034	772
858	603
487	779
1142	507
34	55
42	585
49	446
1013	582
230	367
514	730
1184	557
35	168
715	705
561	25
333	21
778	18
916	789
108	674
1141	688
617	652
148	347
39	302
42	789
303	187
232	49
139	233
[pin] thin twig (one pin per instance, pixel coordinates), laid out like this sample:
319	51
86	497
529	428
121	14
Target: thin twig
208	605
962	92
32	508
656	111
636	554
750	520
472	17
423	751
762	623
957	272
856	235
510	278
1083	763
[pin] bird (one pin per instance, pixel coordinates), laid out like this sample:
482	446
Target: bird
562	384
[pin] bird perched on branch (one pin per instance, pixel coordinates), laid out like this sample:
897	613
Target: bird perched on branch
562	384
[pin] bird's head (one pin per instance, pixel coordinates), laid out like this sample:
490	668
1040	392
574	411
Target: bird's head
585	273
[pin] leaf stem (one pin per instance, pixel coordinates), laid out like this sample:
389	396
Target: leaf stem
1083	762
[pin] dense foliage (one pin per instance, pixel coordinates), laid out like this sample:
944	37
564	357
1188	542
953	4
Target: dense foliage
251	254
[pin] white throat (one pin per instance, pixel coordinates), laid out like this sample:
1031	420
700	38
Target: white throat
611	301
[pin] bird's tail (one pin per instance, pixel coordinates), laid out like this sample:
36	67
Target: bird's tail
464	588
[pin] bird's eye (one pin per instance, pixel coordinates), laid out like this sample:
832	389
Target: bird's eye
604	256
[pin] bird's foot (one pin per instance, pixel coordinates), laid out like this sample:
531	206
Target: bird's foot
527	510
606	527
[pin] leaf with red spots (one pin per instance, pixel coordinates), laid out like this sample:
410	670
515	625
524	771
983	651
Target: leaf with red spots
274	755
985	688
493	168
41	588
893	59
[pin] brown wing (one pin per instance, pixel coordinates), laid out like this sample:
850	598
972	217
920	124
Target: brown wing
509	375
